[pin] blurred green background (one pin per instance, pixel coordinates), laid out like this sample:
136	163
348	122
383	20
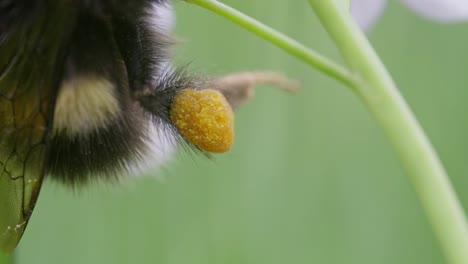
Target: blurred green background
311	178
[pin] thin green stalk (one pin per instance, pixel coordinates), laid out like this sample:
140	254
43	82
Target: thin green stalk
411	145
376	88
277	38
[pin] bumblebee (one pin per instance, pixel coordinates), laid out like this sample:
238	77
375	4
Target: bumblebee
88	93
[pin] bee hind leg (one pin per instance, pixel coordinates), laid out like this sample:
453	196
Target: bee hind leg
239	87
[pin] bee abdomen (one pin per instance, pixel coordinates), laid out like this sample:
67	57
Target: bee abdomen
103	153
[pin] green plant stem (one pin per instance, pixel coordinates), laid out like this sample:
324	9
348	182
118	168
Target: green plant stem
411	145
376	88
284	42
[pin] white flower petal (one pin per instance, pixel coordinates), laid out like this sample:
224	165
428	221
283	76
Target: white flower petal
366	12
440	10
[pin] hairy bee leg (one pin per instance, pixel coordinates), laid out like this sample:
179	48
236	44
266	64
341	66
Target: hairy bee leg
238	88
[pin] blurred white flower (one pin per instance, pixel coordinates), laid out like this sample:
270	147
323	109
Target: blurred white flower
366	12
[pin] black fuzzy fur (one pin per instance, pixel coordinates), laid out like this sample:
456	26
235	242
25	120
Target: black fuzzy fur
115	42
12	11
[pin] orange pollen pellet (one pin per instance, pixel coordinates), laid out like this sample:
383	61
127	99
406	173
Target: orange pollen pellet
205	118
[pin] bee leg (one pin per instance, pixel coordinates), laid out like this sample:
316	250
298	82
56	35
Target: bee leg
238	88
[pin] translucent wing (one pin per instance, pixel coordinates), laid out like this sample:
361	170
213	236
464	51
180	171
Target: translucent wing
31	58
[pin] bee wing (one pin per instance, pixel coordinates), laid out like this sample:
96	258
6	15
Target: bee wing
32	57
22	153
24	109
